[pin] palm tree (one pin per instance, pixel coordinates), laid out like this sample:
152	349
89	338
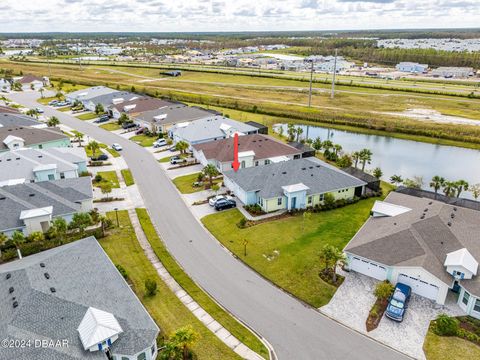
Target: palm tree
3	240
53	121
291	131
181	146
449	188
356	157
60	228
437	183
461	185
184	338
210	171
396	179
365	157
18	238
317	144
41	92
337	148
299	132
378	173
93	146
78	136
475	189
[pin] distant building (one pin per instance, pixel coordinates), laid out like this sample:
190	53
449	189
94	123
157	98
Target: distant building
88	93
35	165
12	138
136	106
74	296
31	82
453	72
174	73
412	67
31	207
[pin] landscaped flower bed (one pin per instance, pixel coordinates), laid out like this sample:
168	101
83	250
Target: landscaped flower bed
383	291
465	327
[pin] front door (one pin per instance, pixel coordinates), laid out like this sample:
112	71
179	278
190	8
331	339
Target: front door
294	203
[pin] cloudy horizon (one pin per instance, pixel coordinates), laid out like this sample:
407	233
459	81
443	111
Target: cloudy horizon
241	15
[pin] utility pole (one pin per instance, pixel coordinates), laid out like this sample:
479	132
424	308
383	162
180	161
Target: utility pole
333	77
48	61
311	80
79	58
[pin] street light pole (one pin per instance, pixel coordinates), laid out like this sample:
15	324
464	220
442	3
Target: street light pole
333	77
311	80
116	215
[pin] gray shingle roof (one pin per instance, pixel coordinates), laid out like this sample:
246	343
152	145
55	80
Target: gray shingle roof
19	164
209	128
107	99
61	194
410	240
269	179
90	93
82	276
10	119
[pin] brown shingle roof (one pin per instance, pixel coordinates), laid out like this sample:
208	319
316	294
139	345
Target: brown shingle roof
27	79
9	110
264	147
31	135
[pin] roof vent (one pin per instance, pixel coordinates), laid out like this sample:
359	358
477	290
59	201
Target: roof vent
47	275
304	168
426	209
449	223
15	304
52	289
11	290
422	217
42	265
2	198
395	223
284	172
454	209
31	195
452	215
8	276
430	203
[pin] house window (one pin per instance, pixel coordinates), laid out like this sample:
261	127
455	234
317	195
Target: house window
321	197
40	146
310	200
243	165
62	175
51	177
279	201
476	307
142	356
267	162
466	297
256	163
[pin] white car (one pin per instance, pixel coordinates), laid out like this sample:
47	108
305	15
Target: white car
117	147
159	143
212	201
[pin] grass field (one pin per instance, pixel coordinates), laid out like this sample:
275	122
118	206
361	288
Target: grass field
169	313
286	251
144	140
46	100
184	183
111	126
127	177
108	176
449	348
87	116
211	307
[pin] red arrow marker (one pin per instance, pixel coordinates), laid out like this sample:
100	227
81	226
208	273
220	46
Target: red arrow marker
235	163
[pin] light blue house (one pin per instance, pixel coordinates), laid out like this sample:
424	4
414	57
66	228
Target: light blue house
35	165
17	137
291	185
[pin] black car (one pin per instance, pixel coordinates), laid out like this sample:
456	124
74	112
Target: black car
102	157
224	204
128	125
101	119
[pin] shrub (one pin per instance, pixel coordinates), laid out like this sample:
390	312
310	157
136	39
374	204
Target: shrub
242	223
9	254
445	325
122	271
98	178
150	287
383	290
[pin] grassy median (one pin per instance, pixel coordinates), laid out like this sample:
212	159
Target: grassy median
127	177
210	306
169	313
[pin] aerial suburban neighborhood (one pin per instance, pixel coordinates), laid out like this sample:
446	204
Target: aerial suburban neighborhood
182	185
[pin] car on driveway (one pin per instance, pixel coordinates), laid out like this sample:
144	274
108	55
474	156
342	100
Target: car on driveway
101	157
39	110
53	102
129	125
159	143
117	147
101	119
398	302
224	204
177	160
213	200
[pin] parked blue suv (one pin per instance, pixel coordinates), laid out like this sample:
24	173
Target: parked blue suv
398	302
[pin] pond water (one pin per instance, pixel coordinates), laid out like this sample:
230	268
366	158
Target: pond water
405	157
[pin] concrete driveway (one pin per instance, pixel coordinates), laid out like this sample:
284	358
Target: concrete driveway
354	299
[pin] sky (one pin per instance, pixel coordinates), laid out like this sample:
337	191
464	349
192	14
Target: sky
233	15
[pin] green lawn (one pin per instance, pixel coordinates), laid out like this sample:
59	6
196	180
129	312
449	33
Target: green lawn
112	152
46	100
144	140
111	126
237	329
165	159
169	313
87	116
109	176
184	183
64	109
449	348
288	256
127	177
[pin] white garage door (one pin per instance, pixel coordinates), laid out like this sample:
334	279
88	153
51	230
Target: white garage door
420	287
368	268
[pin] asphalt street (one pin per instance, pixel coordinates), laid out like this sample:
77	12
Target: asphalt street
294	330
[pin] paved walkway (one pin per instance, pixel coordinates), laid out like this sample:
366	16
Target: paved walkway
214	326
